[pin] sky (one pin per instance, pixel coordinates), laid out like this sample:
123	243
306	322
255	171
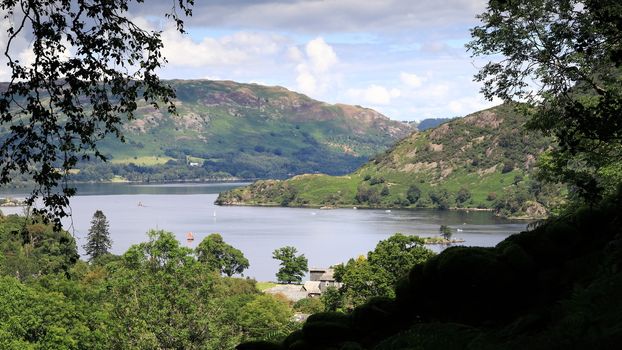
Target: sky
404	58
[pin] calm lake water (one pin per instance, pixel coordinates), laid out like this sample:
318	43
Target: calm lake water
326	237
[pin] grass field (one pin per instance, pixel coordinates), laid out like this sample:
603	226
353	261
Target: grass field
265	285
118	179
144	160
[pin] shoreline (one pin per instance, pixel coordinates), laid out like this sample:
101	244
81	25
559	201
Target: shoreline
356	207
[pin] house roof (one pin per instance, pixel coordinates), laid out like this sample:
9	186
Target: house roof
312	287
326	274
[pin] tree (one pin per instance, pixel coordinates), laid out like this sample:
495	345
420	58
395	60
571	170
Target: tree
221	257
310	305
98	242
90	63
445	232
385	191
563	58
360	281
332	299
462	196
398	254
264	316
293	267
378	273
162	297
413	194
440	198
31	248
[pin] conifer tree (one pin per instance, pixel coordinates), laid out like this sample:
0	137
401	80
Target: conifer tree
98	241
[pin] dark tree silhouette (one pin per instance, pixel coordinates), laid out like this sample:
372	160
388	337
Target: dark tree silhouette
98	240
90	64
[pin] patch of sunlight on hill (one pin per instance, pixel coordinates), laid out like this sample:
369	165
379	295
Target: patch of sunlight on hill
143	160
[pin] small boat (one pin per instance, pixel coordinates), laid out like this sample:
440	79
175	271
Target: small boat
459	230
387	211
355	208
189	236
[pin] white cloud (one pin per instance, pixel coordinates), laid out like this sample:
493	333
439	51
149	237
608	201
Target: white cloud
436	91
306	82
294	54
411	80
470	104
235	49
315	70
401	57
374	95
321	56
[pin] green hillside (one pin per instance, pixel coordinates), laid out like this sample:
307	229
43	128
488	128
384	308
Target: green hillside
485	160
245	130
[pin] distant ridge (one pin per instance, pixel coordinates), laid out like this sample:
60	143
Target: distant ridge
228	129
432	123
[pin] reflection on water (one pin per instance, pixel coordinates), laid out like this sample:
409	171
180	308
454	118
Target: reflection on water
326	237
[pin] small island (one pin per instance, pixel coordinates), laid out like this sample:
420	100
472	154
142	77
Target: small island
437	240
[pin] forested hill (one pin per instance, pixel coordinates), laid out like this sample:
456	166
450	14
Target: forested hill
484	160
244	130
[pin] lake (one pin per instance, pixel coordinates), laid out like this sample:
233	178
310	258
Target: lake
325	237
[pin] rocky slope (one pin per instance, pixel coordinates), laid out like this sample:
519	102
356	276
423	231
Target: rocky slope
485	160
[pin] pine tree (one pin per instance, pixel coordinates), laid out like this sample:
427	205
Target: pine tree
98	240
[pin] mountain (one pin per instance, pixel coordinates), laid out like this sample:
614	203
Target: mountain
485	160
226	128
431	123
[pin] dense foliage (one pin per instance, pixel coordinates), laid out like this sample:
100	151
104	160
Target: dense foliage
30	248
156	295
377	274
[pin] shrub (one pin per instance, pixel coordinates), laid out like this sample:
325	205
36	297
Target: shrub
507	167
462	196
309	305
440	198
413	194
385	191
